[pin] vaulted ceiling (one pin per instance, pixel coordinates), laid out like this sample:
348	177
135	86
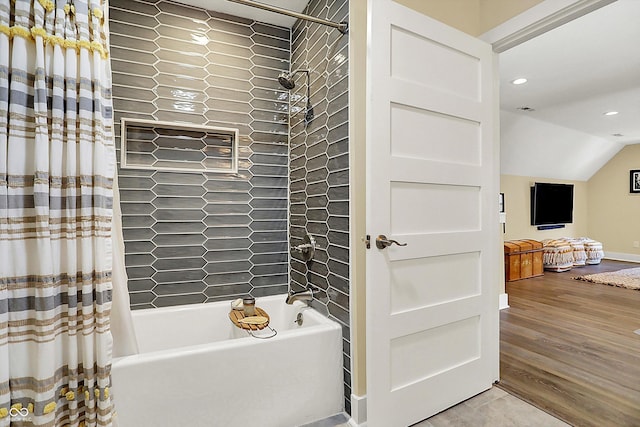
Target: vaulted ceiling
576	73
579	71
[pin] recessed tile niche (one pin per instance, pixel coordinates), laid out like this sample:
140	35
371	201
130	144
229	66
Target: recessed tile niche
167	146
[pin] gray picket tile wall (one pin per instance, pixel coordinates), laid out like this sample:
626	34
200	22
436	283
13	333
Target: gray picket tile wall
319	163
200	237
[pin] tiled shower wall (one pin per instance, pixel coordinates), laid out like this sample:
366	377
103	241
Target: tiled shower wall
319	162
199	237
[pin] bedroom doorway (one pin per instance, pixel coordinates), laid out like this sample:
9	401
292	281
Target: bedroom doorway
569	347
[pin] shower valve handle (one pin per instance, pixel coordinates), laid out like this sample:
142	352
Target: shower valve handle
308	247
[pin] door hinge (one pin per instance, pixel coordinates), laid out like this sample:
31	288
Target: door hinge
367	241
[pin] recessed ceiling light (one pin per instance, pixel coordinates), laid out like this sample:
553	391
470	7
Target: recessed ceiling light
617	134
610	113
519	81
525	108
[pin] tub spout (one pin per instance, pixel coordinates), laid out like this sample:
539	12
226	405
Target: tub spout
305	295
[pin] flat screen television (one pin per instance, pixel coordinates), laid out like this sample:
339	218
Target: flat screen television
551	203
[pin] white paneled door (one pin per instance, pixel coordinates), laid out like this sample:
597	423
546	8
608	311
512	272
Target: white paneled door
432	178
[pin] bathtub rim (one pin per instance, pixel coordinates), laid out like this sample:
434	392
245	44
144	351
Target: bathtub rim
324	323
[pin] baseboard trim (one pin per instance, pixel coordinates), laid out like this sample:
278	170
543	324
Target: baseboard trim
504	301
358	411
619	256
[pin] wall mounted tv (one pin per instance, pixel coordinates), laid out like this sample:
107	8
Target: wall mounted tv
551	204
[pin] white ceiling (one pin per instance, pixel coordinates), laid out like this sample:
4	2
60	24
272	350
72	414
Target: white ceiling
249	12
579	71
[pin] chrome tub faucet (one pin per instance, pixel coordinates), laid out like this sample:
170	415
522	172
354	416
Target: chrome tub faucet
304	295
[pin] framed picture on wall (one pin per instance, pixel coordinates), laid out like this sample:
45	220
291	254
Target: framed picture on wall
634	181
501	203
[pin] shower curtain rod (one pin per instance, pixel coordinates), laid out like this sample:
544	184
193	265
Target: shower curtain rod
341	26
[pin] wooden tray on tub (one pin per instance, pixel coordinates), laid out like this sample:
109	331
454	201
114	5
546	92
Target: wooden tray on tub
237	317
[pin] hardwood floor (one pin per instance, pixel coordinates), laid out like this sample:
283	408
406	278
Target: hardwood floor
569	347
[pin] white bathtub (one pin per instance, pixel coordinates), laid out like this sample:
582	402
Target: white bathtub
195	368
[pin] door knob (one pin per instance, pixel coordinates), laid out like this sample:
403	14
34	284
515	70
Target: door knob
382	242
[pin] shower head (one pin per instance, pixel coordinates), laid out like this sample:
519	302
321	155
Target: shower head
286	81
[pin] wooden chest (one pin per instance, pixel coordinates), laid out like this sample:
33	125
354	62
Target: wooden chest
522	259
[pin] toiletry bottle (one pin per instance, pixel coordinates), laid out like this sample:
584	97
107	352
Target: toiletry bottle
249	303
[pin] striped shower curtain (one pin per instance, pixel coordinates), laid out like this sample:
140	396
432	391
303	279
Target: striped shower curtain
57	164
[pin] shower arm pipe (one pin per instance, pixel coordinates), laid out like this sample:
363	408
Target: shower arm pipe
308	73
343	27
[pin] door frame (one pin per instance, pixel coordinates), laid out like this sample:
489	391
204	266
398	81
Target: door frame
537	20
545	16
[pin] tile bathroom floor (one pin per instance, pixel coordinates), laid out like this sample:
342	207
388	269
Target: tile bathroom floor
495	407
